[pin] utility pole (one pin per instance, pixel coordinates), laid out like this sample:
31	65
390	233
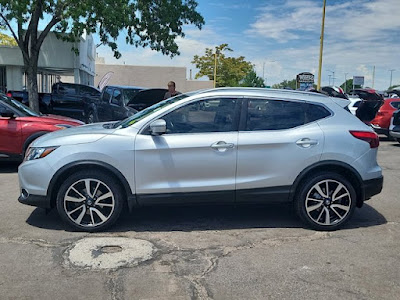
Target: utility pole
373	77
345	82
391	76
263	69
333	77
321	47
329	76
215	68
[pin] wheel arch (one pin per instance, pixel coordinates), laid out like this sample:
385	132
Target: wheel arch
73	167
331	166
31	138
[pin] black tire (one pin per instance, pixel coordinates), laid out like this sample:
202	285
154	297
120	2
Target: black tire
398	140
91	118
317	216
109	207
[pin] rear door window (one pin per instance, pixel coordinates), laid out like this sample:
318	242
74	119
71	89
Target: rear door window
266	114
67	89
395	104
117	97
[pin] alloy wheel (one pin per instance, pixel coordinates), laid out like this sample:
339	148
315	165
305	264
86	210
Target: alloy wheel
328	202
89	202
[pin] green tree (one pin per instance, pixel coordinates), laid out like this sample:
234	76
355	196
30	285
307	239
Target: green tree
286	84
252	80
6	40
230	70
348	85
145	23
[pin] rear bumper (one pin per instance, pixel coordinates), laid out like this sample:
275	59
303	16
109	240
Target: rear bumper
372	187
395	134
35	200
380	130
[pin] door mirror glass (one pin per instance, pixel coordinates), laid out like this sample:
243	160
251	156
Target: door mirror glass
7	114
158	127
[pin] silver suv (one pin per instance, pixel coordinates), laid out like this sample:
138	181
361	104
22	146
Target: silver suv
230	145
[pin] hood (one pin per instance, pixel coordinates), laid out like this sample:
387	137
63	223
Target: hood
73	136
147	98
61	118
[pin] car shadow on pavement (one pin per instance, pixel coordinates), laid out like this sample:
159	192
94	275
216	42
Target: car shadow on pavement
9	167
203	218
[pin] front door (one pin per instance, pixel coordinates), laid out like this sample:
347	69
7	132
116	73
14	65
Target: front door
10	135
195	161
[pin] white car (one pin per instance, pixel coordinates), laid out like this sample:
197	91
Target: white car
354	103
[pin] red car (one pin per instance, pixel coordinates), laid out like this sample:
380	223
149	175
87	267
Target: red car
381	122
19	126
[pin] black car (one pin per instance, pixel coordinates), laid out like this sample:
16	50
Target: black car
66	99
370	104
119	102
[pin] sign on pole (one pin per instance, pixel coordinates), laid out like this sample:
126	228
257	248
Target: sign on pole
305	81
358	80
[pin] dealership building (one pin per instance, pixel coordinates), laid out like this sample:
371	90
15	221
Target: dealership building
58	62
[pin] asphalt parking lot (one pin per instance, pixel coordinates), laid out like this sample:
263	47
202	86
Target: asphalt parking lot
260	252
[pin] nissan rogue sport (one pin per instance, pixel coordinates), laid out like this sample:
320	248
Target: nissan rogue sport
227	145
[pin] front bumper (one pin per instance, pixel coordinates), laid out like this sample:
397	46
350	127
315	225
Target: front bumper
372	187
34	200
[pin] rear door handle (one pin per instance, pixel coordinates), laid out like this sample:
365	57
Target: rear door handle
222	145
306	142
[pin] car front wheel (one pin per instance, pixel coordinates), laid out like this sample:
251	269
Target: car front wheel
90	201
326	201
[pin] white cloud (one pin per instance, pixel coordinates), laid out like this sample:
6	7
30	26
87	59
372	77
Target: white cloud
358	36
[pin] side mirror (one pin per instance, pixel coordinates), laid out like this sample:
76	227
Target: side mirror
7	114
158	127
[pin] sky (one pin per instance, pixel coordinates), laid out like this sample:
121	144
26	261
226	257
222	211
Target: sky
283	36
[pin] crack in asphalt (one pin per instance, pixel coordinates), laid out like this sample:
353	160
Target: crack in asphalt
115	286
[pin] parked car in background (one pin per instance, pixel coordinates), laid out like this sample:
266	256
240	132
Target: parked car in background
66	99
334	91
248	145
370	104
381	122
394	129
120	102
19	126
354	104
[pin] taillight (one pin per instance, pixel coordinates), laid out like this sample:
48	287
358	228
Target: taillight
367	136
9	95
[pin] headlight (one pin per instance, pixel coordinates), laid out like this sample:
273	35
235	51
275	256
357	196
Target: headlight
40	152
63	126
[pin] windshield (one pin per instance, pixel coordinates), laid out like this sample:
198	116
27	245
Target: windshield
128	95
148	111
26	111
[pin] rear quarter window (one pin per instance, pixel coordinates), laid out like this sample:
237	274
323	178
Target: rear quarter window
315	112
395	104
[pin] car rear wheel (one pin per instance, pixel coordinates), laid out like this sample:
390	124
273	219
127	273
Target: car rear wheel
90	201
326	201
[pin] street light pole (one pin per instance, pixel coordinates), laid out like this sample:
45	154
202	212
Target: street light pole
329	76
333	77
321	47
345	82
391	76
215	68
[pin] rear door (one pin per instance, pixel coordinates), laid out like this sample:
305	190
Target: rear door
277	140
66	101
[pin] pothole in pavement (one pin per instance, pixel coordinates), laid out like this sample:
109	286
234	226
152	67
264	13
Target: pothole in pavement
109	252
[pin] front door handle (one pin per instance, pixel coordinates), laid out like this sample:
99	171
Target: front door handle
306	142
221	145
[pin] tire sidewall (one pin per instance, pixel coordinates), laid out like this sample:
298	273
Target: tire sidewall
300	200
93	174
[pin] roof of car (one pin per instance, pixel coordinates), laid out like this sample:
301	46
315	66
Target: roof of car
127	87
265	92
